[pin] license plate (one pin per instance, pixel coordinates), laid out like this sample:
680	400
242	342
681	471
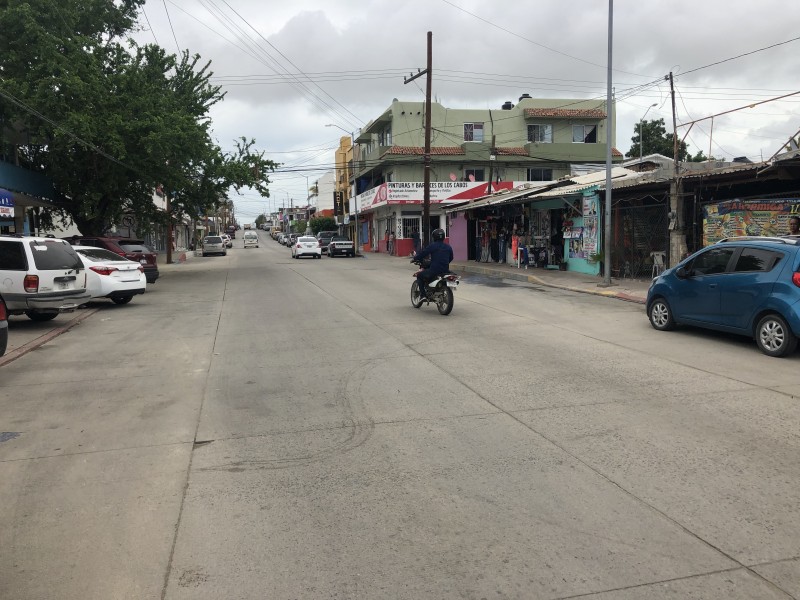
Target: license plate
62	286
143	261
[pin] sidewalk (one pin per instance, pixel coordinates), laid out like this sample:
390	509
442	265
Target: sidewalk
632	290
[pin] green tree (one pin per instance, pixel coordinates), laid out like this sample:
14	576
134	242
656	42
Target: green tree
323	224
119	119
656	141
299	226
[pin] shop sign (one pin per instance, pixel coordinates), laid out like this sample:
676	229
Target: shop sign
6	204
441	192
734	218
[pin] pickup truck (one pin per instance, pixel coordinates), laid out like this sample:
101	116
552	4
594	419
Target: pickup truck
341	245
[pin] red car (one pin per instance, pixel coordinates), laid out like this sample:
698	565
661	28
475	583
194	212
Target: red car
130	248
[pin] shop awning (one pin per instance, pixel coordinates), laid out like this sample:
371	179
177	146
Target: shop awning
499	197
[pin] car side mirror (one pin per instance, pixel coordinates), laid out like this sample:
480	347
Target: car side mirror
682	273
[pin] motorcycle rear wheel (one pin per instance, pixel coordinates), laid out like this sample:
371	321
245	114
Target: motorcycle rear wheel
416	297
444	302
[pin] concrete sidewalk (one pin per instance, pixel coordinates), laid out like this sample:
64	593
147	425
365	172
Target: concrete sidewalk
632	290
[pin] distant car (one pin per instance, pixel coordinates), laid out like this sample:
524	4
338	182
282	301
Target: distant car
3	327
213	244
250	239
306	245
340	245
108	275
292	238
130	248
748	286
227	239
324	237
231	231
40	277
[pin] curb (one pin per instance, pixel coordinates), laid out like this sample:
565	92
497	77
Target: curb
619	295
43	339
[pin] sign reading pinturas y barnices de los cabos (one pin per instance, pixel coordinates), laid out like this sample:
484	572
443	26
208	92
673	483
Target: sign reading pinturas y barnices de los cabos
442	192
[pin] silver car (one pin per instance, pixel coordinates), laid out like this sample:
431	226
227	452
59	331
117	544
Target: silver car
214	244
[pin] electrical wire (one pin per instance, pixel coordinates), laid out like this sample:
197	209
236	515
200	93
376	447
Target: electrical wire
166	10
153	31
719	62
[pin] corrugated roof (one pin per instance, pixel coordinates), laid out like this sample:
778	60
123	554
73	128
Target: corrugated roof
565	113
513	151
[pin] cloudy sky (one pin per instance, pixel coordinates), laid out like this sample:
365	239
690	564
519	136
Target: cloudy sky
290	68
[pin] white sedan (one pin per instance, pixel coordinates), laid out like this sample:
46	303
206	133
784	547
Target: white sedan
108	275
306	246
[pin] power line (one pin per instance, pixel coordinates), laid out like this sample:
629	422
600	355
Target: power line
166	10
719	62
153	31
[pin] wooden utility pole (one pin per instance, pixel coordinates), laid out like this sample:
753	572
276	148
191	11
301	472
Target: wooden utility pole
170	230
426	198
491	164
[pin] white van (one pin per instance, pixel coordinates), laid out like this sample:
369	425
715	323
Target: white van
250	239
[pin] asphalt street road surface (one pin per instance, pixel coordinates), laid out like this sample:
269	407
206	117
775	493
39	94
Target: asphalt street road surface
262	427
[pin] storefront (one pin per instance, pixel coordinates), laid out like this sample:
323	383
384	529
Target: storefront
732	218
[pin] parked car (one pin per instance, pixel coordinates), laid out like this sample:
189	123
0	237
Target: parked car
306	245
341	245
250	239
130	248
40	277
3	327
324	237
748	286
227	239
231	231
292	238
213	244
110	276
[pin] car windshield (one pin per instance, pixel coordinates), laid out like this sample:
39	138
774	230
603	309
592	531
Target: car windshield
213	240
307	240
51	255
133	247
99	254
339	238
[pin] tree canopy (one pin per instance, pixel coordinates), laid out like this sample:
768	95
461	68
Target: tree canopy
109	120
658	141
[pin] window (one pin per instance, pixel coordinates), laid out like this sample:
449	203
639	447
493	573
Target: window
540	133
476	173
385	137
12	256
584	134
55	255
712	262
757	259
390	176
473	132
540	174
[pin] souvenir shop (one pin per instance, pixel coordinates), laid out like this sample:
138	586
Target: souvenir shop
550	233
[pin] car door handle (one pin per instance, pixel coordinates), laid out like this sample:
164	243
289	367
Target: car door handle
712	286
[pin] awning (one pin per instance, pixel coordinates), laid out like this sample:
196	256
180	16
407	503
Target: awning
499	197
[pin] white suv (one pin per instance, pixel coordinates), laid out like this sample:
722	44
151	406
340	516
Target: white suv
40	277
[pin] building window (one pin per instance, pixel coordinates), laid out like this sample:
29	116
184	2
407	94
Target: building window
540	174
385	137
390	176
473	132
540	133
476	173
584	134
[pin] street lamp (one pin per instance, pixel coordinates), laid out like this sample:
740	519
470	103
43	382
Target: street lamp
641	140
353	151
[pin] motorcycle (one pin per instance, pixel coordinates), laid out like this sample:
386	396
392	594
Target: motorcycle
440	290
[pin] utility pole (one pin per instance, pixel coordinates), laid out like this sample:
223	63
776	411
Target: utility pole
676	240
491	165
426	202
170	231
609	121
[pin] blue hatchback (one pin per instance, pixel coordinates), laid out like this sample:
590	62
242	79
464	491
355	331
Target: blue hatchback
746	285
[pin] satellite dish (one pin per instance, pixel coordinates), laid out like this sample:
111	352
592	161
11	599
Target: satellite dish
453	177
472	177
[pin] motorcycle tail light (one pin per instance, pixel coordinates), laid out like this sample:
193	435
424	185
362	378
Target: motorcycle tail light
31	284
796	279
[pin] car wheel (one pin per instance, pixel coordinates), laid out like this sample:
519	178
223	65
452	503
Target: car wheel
41	316
660	315
773	336
124	300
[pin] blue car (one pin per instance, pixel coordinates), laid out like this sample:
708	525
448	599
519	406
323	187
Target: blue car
747	285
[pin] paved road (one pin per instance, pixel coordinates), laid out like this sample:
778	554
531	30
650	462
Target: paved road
261	427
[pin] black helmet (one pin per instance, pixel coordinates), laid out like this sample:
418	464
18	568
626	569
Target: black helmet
437	235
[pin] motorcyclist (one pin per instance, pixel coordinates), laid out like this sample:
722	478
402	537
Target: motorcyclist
441	255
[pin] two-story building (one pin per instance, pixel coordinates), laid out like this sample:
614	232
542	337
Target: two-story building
534	141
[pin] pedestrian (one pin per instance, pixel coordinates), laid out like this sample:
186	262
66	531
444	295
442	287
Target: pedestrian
391	243
386	240
415	239
794	225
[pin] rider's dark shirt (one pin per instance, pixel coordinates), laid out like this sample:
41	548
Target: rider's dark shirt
441	256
